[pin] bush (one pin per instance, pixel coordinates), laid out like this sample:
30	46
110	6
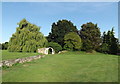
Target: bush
68	46
55	46
4	46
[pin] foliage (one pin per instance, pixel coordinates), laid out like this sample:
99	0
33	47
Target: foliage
68	46
27	38
4	46
59	30
0	46
111	42
119	49
104	48
55	46
72	41
90	35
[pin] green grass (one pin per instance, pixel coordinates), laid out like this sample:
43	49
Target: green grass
66	67
14	55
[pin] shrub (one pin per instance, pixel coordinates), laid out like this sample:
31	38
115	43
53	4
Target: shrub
4	46
68	46
55	46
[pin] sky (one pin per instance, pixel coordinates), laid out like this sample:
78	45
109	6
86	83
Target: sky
43	14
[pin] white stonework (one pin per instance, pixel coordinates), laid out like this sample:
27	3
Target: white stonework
45	50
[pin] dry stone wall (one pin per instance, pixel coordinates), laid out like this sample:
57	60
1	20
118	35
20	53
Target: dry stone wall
19	60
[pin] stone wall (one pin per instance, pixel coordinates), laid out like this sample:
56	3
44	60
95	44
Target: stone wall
19	60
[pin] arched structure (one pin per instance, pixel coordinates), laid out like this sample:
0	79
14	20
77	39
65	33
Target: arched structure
46	50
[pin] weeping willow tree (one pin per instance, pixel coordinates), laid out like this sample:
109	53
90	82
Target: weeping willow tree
27	38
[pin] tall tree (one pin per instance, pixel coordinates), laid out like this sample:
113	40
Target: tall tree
111	41
59	30
26	38
90	35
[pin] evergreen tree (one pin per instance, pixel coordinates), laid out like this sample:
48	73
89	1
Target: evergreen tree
119	49
59	30
111	42
27	38
90	35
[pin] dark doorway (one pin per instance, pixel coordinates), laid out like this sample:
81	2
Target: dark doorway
50	51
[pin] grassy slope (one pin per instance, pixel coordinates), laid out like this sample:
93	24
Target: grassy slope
13	55
72	67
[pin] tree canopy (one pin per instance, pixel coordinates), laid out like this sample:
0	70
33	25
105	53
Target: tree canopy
90	35
112	44
59	30
72	41
27	38
63	35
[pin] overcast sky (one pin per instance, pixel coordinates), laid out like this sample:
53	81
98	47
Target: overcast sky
43	14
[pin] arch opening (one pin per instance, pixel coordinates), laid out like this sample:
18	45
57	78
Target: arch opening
49	51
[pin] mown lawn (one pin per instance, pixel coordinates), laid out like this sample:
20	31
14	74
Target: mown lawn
14	55
65	67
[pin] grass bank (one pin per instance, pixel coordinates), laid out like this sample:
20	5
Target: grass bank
66	67
14	55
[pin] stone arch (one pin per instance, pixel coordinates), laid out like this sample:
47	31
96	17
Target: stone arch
46	50
52	50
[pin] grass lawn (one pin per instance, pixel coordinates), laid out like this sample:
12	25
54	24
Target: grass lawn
65	67
10	55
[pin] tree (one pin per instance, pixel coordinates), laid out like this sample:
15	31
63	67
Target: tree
4	46
104	48
119	49
90	35
72	41
27	38
0	46
59	30
114	45
112	42
55	46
